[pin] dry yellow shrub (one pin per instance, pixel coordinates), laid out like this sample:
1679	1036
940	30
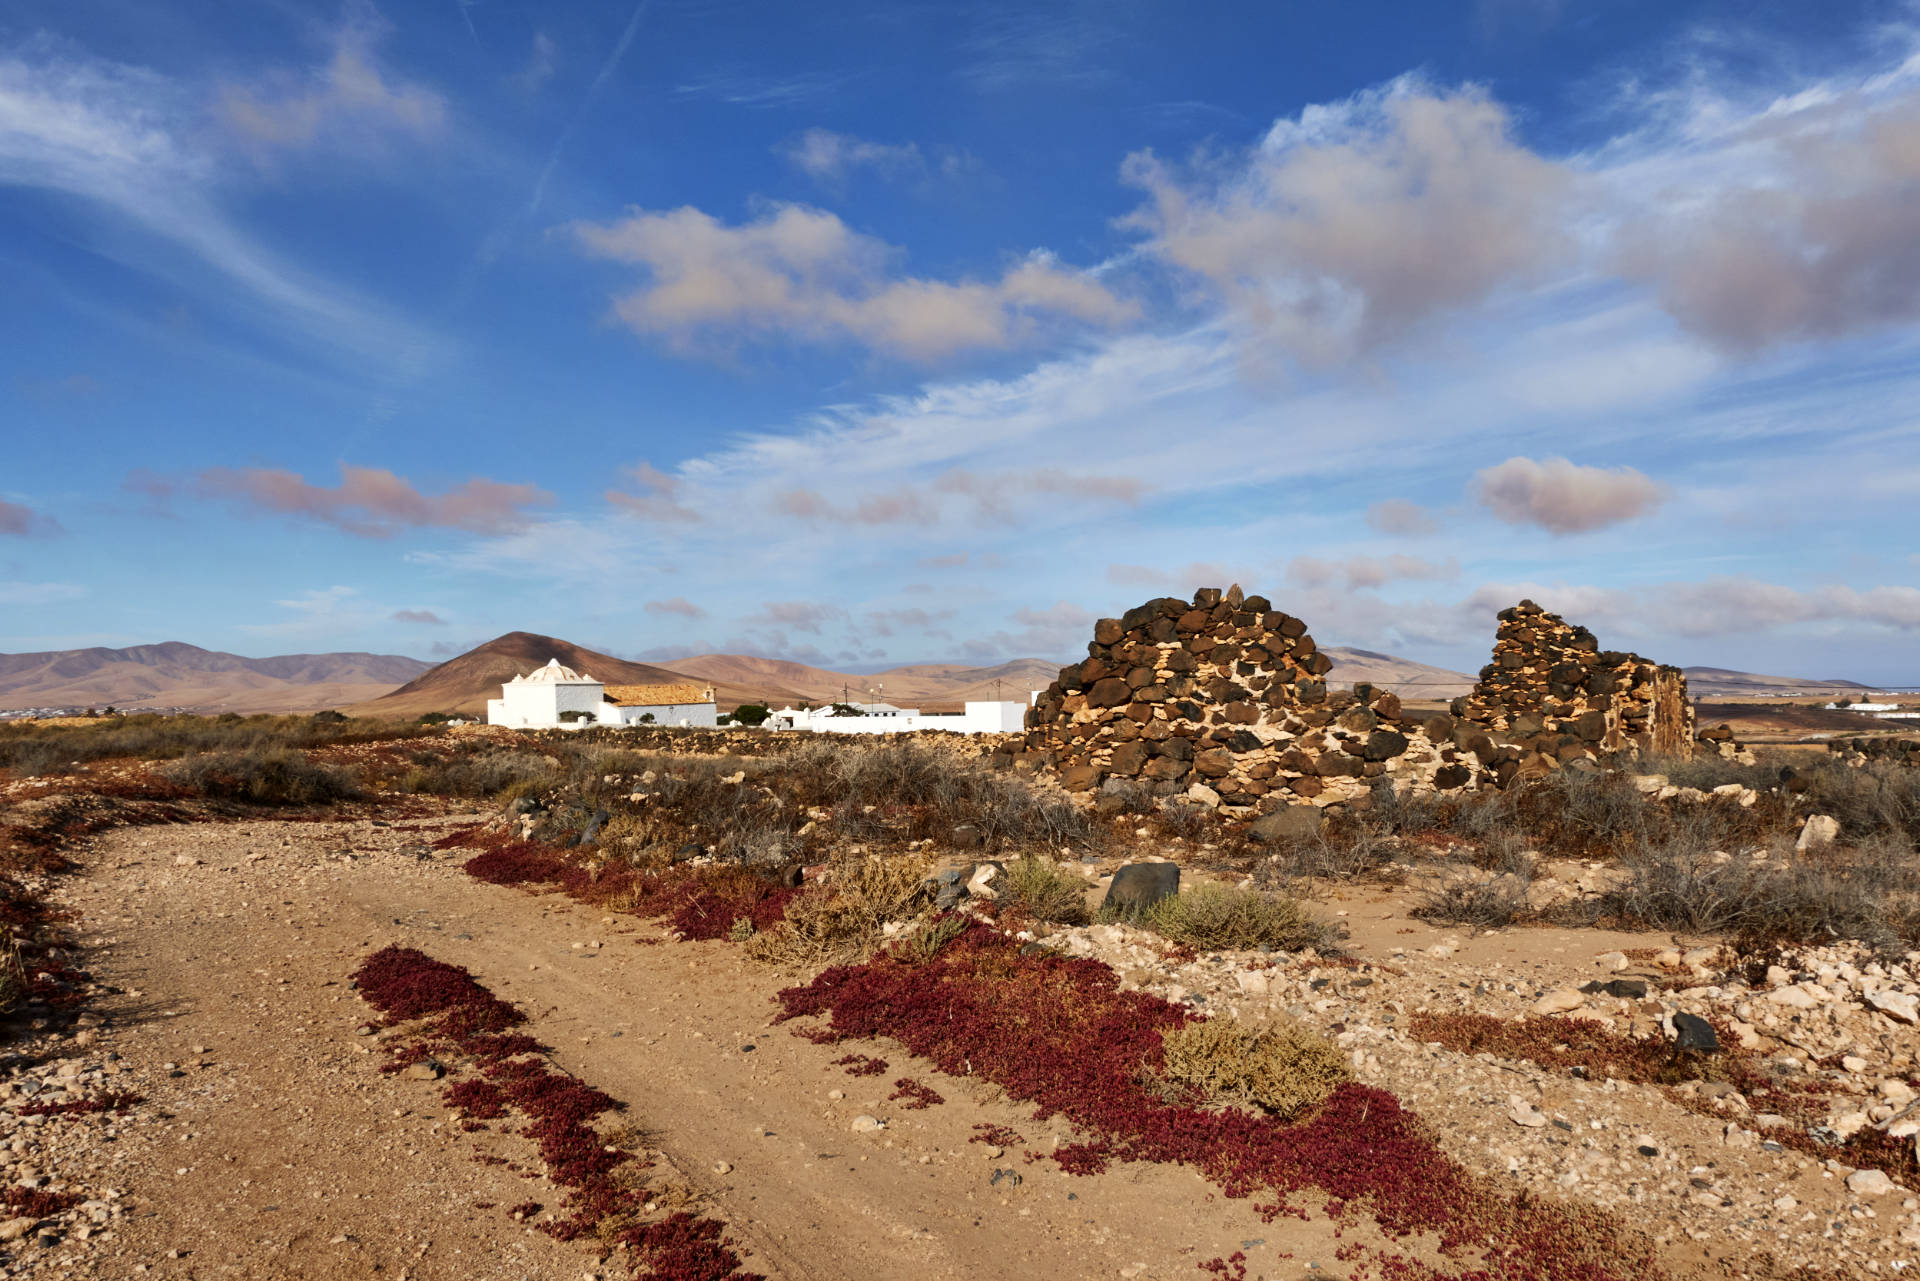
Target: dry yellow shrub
839	922
1283	1067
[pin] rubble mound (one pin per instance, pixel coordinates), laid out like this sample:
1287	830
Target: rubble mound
1552	689
1223	697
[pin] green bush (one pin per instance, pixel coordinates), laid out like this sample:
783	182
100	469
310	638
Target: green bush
751	713
1284	1068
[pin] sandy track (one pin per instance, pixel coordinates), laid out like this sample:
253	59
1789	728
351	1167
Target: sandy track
302	1160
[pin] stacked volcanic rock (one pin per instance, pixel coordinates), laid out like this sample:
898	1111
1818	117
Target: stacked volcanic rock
1552	689
1858	751
1224	699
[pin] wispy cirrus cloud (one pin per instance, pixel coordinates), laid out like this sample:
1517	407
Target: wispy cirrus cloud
1363	572
740	88
832	159
17	592
130	144
660	496
801	274
349	97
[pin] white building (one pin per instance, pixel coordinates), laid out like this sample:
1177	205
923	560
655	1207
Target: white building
556	697
885	718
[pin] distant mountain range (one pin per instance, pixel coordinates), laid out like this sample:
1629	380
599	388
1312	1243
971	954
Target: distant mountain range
464	684
1718	682
180	675
186	676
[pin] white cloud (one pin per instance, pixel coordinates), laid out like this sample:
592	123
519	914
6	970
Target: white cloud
1767	218
832	159
1563	497
798	273
829	157
1358	221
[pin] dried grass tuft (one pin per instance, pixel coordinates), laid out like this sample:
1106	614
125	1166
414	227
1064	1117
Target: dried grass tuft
1220	918
1042	890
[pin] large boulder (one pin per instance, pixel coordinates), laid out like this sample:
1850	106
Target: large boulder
1293	822
1138	886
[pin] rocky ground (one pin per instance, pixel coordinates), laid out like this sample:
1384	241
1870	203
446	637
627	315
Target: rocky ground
267	1143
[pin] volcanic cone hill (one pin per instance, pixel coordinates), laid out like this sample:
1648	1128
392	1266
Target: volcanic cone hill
464	684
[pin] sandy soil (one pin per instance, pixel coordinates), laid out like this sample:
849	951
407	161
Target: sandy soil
271	1146
276	1148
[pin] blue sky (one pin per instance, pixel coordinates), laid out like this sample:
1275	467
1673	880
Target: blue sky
865	334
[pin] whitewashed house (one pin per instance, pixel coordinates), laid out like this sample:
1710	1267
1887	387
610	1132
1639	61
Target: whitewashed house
557	697
885	718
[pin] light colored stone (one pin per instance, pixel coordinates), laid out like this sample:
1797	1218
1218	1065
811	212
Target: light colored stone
1613	962
14	1229
1870	1183
1819	830
1252	982
1201	794
1794	998
1897	1005
1523	1113
1559	1001
1848	1124
865	1124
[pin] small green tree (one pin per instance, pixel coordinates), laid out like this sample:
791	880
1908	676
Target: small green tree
646	718
752	713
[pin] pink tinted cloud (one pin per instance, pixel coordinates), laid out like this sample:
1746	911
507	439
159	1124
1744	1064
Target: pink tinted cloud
676	605
658	499
424	617
372	502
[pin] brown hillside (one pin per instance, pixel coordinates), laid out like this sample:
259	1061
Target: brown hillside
464	684
175	674
930	686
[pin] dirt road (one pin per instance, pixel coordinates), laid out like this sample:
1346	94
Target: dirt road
271	1145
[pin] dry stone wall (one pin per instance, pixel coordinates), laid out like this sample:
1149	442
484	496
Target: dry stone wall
1552	689
1225	698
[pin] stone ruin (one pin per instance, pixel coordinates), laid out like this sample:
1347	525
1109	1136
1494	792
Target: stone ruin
1224	699
1550	687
